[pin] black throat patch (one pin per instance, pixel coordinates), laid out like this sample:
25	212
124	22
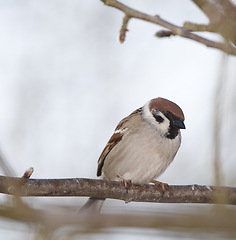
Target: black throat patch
173	130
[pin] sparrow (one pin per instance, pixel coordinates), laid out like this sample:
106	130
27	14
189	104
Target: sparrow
142	146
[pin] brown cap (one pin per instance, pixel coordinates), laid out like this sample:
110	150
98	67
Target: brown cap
165	105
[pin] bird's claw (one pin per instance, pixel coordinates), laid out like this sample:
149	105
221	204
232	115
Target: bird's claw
164	186
125	182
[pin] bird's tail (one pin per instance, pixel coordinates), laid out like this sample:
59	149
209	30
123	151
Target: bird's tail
92	206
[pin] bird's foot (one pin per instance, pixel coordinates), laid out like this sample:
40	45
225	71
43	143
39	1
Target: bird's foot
125	182
164	186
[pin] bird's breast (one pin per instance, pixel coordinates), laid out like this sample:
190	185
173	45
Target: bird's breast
140	156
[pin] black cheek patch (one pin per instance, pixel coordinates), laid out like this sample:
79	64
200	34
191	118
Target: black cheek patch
158	118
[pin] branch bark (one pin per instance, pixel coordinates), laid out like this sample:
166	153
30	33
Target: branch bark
221	15
174	29
116	190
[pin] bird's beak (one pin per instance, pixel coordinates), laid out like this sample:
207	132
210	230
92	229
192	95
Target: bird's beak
179	124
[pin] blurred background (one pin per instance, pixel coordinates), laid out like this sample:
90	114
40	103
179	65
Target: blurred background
66	81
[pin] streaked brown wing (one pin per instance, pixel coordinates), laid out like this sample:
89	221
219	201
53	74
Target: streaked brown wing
115	138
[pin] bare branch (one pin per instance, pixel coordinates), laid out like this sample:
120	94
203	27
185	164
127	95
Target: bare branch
174	29
175	221
124	28
163	33
198	27
116	190
27	174
222	17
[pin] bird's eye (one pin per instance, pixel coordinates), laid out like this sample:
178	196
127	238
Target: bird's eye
158	118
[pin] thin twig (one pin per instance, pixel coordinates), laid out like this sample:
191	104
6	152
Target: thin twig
124	28
175	29
163	33
27	174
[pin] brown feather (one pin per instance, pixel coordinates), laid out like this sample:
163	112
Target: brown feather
115	138
165	105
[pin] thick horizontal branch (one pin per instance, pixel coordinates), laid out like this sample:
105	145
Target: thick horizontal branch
215	221
117	190
174	29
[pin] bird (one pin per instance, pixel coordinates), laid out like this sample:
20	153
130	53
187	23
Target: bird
142	146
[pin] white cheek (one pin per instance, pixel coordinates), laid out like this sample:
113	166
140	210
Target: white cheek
161	127
164	126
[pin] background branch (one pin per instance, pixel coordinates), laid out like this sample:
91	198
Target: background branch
216	221
116	190
174	29
221	15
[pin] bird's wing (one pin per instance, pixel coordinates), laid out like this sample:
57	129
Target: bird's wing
115	138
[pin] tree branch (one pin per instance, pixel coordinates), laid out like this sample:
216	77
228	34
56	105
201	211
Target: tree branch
116	190
206	221
174	29
221	15
124	28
